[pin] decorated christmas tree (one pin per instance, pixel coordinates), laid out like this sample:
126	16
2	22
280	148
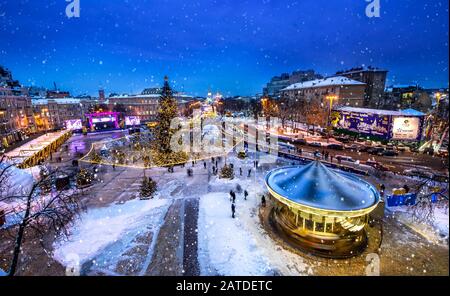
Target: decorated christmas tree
168	109
227	172
148	188
95	157
84	178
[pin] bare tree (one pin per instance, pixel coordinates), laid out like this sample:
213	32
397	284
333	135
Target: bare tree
423	209
42	212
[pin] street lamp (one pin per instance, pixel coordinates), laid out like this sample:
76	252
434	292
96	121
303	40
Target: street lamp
331	98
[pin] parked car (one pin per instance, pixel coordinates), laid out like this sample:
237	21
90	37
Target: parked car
343	139
345	158
443	152
403	148
364	148
429	151
356	147
418	173
377	165
315	144
376	151
300	141
288	146
335	147
388	152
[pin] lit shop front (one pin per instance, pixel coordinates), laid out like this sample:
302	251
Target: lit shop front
103	120
322	211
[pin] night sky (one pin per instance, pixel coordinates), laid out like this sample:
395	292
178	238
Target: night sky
233	47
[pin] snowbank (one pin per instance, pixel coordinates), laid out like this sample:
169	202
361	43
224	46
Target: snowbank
99	228
18	181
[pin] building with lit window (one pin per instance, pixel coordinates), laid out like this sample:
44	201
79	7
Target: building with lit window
347	92
16	116
374	80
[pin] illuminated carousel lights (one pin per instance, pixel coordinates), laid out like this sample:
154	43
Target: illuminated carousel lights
323	211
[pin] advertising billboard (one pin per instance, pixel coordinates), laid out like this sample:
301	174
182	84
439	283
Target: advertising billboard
74	124
405	128
132	120
364	123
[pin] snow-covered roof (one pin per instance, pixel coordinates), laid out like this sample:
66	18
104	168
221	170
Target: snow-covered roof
155	96
30	148
330	81
125	96
42	101
412	112
409	112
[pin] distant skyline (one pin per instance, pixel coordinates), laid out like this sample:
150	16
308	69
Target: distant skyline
234	47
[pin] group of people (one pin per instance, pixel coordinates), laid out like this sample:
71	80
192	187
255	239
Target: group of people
326	155
233	201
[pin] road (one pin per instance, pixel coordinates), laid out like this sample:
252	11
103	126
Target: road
405	160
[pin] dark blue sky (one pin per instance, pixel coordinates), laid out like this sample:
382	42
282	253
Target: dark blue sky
231	46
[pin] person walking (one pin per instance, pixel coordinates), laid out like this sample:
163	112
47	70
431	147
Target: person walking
240	171
249	173
245	194
204	165
233	210
263	201
382	189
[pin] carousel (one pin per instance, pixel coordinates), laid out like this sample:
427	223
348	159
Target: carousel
321	210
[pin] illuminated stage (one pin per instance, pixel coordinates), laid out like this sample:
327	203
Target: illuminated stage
103	120
324	211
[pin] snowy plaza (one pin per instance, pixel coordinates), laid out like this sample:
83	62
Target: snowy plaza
187	227
224	146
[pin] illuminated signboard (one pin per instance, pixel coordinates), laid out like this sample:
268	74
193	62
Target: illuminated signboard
132	120
405	128
74	124
364	123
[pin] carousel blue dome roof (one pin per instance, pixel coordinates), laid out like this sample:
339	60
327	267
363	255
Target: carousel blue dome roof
315	185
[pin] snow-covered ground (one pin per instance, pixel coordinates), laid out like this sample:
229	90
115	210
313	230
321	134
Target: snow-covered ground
17	181
239	246
435	231
110	231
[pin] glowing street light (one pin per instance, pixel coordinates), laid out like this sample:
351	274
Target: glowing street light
331	98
